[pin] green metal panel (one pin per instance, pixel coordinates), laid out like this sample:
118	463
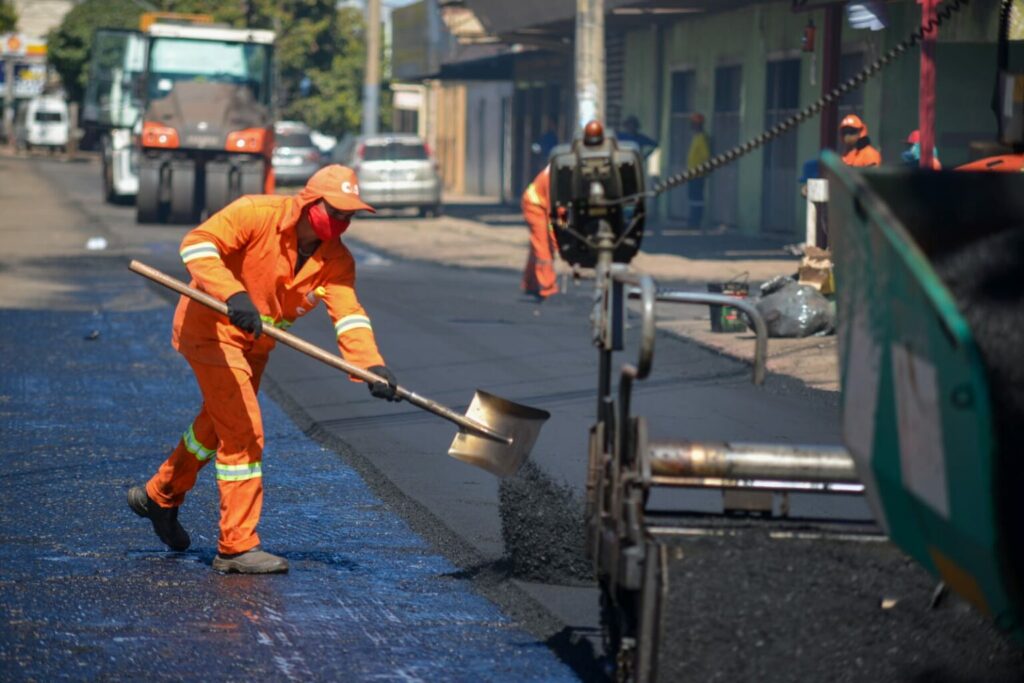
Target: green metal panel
916	407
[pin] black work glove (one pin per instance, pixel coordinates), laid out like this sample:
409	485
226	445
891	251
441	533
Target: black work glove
386	389
244	315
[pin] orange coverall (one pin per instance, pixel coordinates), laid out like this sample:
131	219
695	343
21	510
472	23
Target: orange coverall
862	154
539	274
250	245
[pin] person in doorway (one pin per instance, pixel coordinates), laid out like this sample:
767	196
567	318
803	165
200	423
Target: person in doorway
548	140
811	170
857	149
912	154
631	133
271	258
539	280
699	153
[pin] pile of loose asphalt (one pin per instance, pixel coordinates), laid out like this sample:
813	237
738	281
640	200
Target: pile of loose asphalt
542	528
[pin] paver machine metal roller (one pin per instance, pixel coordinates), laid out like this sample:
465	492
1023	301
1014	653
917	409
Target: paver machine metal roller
208	127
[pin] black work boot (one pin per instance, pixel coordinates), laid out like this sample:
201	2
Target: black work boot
165	520
254	561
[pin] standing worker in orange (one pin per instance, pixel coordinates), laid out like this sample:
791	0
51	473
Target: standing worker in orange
857	149
539	278
271	258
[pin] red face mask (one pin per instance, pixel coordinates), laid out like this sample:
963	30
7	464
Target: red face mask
325	226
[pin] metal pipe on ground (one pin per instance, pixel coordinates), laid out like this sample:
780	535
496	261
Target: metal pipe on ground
741	461
766	485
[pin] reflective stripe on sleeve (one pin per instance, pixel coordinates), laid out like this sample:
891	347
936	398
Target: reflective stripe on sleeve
533	196
279	324
198	251
193	446
251	470
351	322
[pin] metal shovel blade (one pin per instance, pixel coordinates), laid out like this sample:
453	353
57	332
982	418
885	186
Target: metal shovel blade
520	423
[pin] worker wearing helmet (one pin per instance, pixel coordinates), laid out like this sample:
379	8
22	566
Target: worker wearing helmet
699	153
539	280
271	258
857	149
912	154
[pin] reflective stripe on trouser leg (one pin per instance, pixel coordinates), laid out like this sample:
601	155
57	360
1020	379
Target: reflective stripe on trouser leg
539	275
177	475
230	400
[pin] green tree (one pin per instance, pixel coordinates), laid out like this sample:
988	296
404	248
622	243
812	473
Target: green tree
8	16
315	41
68	45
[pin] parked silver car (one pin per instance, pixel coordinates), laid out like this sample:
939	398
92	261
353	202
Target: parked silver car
396	170
295	156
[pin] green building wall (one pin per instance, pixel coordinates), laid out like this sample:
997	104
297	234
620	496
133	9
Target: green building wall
751	36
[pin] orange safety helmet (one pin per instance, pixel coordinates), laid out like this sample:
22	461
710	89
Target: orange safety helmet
914	138
697	117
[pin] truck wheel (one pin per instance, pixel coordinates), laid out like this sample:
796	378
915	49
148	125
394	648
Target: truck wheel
218	186
183	191
147	203
253	175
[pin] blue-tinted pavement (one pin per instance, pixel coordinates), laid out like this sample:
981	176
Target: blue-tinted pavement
87	591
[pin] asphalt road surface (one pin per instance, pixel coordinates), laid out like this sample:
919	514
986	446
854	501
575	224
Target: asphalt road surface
445	332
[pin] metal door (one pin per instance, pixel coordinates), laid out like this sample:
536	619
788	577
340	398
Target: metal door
680	134
779	193
725	133
852	102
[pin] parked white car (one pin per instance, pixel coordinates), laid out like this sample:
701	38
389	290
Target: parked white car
396	170
42	122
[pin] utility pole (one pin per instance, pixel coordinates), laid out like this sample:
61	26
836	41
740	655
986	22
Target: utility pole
371	82
589	61
926	89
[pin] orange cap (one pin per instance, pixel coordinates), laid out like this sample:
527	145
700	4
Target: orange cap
339	187
851	121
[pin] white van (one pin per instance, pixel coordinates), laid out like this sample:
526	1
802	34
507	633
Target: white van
42	122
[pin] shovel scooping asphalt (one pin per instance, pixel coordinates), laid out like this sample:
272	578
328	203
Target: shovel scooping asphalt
495	434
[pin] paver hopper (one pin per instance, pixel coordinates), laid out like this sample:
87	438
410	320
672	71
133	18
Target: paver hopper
930	411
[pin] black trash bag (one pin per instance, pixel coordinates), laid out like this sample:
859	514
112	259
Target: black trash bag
795	310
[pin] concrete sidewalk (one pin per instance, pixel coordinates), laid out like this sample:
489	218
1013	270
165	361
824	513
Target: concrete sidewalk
478	234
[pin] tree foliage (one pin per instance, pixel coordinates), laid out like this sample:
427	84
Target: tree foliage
315	41
8	16
68	45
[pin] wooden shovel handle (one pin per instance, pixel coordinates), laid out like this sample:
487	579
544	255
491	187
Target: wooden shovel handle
321	355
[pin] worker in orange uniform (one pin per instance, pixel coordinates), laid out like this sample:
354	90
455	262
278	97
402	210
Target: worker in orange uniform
912	154
271	258
539	278
857	149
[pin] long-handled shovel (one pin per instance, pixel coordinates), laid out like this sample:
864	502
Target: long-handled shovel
495	434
